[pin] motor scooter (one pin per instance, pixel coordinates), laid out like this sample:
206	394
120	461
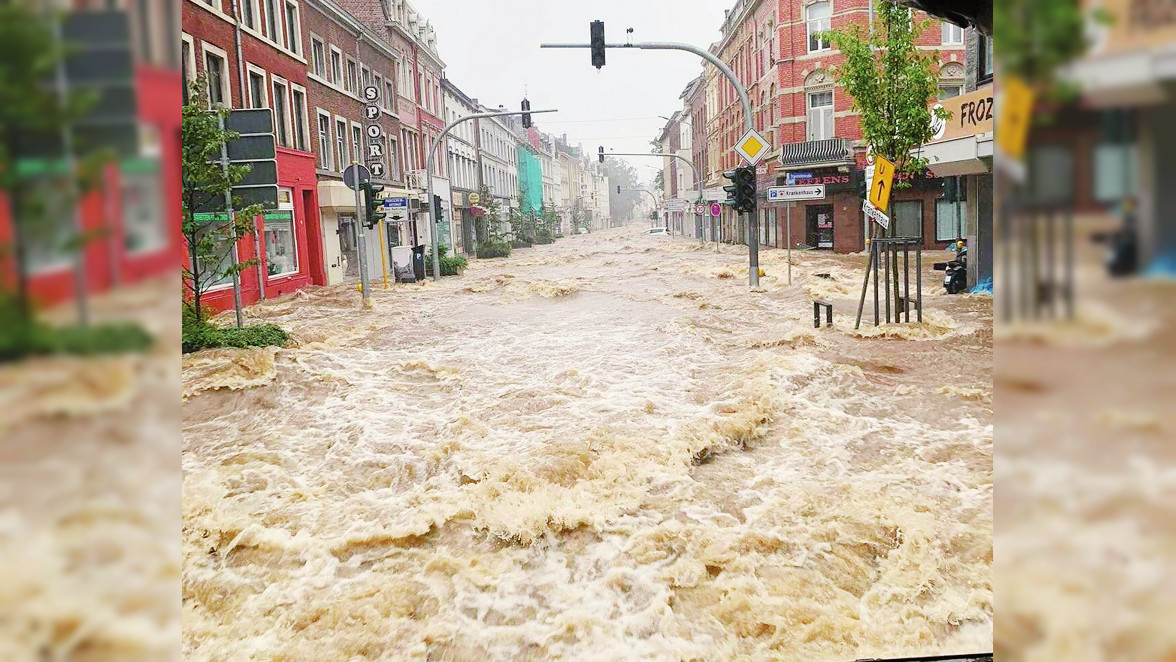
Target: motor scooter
955	272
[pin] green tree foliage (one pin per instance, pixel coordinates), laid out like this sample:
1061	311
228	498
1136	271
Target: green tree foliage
493	236
1035	39
209	238
891	83
621	173
41	194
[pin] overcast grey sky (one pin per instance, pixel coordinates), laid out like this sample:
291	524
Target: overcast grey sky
491	52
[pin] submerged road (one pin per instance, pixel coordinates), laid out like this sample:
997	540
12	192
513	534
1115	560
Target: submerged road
605	449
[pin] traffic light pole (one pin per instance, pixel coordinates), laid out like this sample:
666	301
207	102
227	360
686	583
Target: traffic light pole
361	236
429	172
697	218
753	240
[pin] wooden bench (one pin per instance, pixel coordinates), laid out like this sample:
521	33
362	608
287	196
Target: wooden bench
817	304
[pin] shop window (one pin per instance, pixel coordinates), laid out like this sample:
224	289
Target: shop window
281	250
1114	171
951	218
908	218
142	207
1051	174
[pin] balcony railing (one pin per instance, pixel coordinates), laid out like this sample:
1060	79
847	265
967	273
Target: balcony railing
831	151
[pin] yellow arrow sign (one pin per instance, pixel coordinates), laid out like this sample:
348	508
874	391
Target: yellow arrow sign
1016	109
880	186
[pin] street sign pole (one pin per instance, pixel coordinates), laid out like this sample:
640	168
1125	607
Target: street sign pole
753	242
429	173
233	240
788	216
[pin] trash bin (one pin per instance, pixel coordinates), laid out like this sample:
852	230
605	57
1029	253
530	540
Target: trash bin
418	262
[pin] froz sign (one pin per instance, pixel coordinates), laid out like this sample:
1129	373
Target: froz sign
969	115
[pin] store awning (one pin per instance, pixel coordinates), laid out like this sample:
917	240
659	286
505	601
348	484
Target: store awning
334	194
969	155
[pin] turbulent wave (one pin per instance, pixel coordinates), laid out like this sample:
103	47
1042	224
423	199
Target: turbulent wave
613	475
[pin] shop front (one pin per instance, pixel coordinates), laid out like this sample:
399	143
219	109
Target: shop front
832	223
962	150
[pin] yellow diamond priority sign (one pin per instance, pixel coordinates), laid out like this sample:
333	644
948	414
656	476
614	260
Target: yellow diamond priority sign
752	147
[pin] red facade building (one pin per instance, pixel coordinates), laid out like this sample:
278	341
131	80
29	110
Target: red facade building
131	213
258	60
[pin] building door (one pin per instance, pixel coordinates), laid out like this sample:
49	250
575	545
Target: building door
819	222
467	232
349	245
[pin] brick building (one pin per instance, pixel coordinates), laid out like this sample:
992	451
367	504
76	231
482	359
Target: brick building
419	105
258	60
132	212
819	139
344	57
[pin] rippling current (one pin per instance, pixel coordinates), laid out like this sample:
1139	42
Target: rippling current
604	449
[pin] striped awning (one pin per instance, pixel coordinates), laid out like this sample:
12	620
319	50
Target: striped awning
816	152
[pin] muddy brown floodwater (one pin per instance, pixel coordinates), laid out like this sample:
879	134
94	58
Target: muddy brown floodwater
603	449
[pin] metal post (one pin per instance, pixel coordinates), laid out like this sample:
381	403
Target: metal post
886	272
429	173
1068	230
361	237
865	285
788	213
877	258
72	192
919	282
229	221
906	282
753	244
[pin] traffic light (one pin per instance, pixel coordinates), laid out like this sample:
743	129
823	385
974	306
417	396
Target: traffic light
598	44
732	189
602	153
741	190
526	115
372	205
437	207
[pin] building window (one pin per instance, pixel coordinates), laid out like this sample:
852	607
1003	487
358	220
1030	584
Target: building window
908	218
340	145
818	20
187	64
389	96
324	141
393	162
293	29
257	94
952	34
281	114
357	142
318	57
271	20
250	13
951	217
336	67
218	79
985	48
949	90
352	82
298	111
365	76
820	115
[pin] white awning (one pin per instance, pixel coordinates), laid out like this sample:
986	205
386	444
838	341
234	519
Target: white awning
969	155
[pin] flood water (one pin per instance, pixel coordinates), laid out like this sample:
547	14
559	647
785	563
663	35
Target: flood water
603	449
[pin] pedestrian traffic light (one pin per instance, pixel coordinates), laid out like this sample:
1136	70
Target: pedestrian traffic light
372	205
526	114
437	207
602	153
598	44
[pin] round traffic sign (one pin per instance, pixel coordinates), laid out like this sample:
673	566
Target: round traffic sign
699	208
716	209
349	176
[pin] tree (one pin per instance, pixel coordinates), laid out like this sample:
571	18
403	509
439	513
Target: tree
42	194
621	173
892	84
209	237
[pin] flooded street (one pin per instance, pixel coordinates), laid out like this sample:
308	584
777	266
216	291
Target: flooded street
603	449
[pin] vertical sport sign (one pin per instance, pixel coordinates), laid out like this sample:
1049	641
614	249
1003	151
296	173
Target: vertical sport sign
375	133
